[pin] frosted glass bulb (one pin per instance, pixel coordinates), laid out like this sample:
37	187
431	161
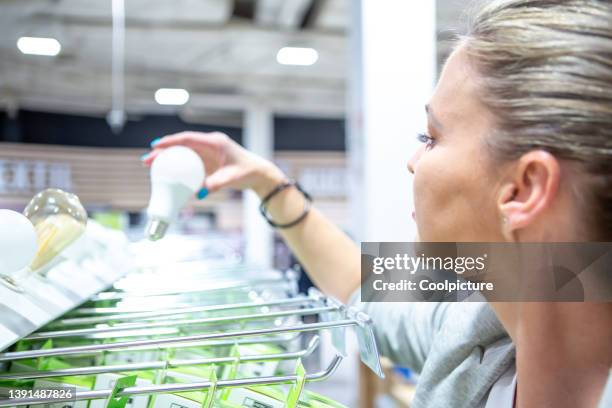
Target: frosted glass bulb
17	242
176	174
59	219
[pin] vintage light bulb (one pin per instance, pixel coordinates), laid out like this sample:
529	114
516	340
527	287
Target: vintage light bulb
59	219
17	246
176	174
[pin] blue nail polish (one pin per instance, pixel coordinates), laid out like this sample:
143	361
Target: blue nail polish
155	141
202	193
144	156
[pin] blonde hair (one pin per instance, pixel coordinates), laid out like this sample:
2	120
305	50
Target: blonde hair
546	72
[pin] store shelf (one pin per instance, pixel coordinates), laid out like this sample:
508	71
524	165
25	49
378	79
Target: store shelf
161	319
89	266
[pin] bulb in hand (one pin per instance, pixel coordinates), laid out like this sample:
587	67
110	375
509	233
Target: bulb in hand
176	174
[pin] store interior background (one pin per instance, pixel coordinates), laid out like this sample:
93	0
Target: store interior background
344	127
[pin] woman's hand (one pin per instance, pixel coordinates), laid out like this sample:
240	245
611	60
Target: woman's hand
330	257
227	163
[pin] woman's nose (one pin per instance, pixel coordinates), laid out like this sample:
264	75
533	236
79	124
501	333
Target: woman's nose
415	159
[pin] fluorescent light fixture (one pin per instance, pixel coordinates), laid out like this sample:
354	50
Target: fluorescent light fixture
297	56
39	46
171	96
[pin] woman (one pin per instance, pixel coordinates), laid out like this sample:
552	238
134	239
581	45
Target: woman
519	149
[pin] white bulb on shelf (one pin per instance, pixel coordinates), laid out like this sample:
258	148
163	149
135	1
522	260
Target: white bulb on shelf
176	174
17	242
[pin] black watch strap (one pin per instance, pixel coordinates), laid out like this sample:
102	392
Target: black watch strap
283	186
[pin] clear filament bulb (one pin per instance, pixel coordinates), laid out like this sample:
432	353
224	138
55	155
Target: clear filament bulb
59	219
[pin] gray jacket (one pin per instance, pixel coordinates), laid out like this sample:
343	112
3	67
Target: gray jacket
460	350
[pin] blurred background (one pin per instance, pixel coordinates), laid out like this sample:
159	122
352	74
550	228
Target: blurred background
331	90
79	116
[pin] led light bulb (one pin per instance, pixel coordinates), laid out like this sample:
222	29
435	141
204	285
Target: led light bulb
17	246
176	174
59	219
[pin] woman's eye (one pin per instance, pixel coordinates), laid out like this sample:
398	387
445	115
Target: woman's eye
425	138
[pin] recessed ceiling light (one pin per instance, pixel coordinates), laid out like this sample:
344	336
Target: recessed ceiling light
171	96
297	56
39	46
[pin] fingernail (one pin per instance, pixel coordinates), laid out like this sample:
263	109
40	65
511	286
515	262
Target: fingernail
155	141
202	193
144	157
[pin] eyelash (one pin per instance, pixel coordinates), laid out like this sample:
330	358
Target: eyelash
428	140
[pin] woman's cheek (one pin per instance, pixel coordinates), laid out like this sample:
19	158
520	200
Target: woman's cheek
438	186
424	199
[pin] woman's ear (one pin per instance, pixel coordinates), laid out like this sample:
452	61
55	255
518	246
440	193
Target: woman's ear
529	191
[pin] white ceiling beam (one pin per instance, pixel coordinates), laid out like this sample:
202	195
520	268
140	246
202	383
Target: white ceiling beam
281	13
331	105
266	11
333	15
197	11
293	12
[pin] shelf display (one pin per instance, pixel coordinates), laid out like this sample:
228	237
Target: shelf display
186	334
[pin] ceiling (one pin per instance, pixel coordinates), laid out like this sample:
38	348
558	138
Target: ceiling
222	51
